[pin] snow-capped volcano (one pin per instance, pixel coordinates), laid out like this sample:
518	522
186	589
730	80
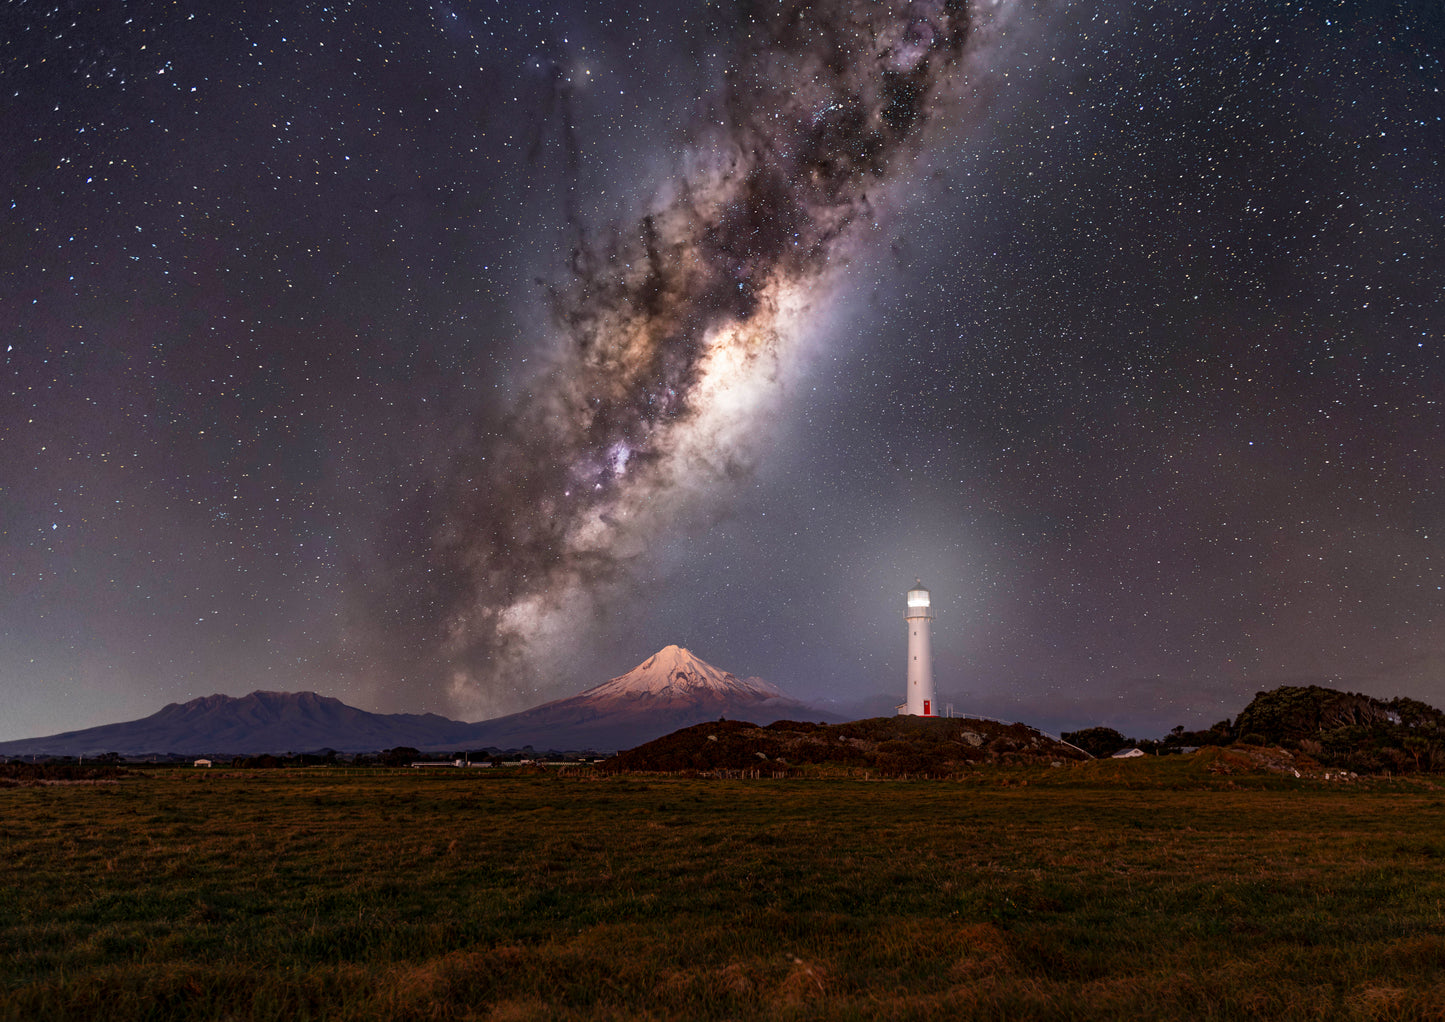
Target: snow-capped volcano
673	673
671	689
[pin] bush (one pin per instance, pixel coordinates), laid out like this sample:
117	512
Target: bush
1097	741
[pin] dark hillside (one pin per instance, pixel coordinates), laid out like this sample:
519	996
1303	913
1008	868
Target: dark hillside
1346	729
892	746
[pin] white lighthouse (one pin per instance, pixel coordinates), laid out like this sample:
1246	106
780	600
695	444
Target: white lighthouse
919	617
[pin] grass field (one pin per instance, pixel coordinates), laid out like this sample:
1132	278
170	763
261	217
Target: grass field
1099	891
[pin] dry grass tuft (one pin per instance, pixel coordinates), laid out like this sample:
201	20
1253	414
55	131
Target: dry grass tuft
983	950
1416	1003
805	981
1381	1002
737	979
521	1010
1421	952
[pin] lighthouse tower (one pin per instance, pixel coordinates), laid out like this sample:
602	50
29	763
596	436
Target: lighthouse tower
919	618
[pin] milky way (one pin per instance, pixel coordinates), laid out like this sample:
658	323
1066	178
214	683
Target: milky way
450	357
671	331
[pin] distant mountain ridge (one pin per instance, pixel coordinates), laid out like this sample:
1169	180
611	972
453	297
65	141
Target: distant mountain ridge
261	722
671	689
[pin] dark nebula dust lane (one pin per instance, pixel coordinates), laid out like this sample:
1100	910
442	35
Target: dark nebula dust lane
671	330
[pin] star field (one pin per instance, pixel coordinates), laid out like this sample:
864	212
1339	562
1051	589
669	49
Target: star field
1136	362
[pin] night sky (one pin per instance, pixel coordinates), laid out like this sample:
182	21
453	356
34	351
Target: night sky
455	357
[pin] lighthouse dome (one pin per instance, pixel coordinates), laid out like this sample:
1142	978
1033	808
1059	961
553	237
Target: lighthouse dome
918	595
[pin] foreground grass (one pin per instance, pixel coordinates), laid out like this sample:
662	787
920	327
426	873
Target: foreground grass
437	895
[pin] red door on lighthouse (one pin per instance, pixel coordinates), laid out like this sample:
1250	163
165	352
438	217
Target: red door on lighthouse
928	707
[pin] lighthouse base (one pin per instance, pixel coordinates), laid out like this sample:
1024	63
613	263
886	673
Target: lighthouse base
901	710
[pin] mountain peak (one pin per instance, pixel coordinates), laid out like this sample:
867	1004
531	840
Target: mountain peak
669	658
676	673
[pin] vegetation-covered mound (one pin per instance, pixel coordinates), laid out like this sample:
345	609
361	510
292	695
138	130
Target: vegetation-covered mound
1347	729
1293	712
1334	730
891	746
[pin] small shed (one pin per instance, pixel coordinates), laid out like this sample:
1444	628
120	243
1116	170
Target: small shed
202	762
1127	754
